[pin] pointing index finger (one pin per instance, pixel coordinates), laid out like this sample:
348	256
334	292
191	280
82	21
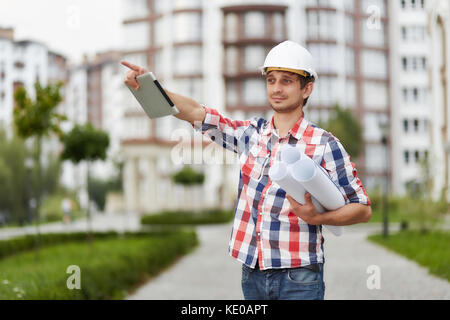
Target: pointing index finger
130	65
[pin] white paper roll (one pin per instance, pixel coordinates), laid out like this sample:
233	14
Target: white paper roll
280	173
290	154
317	183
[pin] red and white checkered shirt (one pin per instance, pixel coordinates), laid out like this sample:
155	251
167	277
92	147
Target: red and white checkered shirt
264	229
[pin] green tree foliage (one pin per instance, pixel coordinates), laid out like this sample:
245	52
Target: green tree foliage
37	119
16	181
85	143
344	126
188	177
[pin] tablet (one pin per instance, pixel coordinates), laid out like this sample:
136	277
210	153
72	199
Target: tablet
152	97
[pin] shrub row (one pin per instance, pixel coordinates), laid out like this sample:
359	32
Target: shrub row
188	217
28	242
109	267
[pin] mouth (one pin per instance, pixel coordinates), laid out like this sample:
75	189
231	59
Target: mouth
278	99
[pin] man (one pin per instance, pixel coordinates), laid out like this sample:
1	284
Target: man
278	240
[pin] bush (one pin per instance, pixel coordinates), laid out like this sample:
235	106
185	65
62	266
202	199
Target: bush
188	177
108	267
26	243
188	217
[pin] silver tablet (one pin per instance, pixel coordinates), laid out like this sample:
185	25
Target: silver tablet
152	97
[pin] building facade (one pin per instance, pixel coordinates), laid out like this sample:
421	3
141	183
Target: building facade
374	57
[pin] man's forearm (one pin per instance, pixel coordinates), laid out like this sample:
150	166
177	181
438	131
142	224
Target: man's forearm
190	110
350	214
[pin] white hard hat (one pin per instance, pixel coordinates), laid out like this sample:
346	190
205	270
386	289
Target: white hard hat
290	56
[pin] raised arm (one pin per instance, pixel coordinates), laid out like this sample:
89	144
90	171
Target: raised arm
190	110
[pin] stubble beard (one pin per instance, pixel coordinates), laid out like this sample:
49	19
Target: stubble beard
287	109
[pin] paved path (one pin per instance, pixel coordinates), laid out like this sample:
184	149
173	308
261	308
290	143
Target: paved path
209	273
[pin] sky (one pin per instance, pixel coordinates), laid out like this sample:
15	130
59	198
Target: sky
68	27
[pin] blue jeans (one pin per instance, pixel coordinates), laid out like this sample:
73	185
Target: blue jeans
283	284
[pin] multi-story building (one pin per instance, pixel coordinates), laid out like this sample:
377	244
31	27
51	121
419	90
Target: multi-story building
438	26
410	92
373	57
22	64
212	51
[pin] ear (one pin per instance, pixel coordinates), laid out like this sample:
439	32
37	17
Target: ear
308	90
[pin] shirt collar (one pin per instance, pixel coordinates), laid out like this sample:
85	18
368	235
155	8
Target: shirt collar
296	131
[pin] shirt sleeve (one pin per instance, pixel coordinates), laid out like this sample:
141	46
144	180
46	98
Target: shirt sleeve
223	131
343	173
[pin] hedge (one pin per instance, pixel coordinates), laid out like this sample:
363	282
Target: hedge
20	244
109	267
188	217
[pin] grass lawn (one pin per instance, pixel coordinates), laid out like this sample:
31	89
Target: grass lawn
393	216
430	250
109	267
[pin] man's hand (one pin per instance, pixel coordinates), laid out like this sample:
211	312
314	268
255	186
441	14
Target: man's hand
135	71
306	212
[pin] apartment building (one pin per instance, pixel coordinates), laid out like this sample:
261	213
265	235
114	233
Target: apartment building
212	51
438	27
410	62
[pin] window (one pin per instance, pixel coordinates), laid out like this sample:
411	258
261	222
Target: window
321	25
232	94
187	60
231	27
188	27
135	8
254	57
187	4
374	37
278	24
405	125
374	64
406	157
137	35
254	92
324	57
254	25
231	62
375	95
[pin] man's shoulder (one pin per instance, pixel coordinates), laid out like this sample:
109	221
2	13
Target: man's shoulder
317	135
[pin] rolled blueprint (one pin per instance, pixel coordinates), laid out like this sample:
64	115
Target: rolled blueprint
317	182
280	173
290	154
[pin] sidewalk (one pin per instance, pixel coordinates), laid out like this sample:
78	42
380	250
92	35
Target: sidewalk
209	273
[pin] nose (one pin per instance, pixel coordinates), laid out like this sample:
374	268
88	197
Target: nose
277	87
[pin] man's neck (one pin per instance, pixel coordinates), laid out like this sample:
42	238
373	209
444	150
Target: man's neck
284	122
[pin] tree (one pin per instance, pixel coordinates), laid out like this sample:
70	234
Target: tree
38	119
85	143
344	126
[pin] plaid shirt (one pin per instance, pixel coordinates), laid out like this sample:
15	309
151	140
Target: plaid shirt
264	229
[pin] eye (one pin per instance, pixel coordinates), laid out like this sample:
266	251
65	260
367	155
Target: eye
287	81
271	81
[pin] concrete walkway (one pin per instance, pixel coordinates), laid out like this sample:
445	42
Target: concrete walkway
209	273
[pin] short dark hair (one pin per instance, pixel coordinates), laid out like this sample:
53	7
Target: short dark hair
303	82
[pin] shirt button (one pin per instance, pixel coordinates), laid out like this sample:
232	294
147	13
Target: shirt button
259	234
